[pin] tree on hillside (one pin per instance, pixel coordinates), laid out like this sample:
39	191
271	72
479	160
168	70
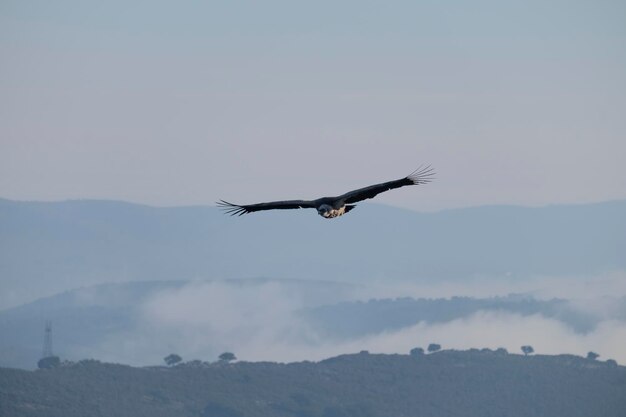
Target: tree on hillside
227	357
593	356
172	359
527	349
434	347
418	351
49	362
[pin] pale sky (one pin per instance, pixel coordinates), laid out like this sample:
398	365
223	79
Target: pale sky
188	102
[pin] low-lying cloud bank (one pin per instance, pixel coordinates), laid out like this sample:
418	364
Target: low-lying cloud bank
262	322
493	330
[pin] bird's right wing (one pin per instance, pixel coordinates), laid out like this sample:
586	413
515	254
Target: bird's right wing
236	209
422	175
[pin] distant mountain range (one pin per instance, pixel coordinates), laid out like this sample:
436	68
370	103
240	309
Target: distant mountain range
474	383
46	248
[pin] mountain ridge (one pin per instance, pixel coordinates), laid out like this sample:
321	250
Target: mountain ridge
50	247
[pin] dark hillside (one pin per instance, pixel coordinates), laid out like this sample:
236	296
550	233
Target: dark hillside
447	383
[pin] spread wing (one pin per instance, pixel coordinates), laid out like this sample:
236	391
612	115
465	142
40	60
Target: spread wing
236	209
417	177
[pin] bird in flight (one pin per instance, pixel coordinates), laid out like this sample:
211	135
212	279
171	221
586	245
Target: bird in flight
331	207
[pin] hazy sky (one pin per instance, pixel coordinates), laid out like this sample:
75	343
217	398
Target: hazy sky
187	102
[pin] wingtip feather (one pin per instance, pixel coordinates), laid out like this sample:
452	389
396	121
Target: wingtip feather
422	175
231	209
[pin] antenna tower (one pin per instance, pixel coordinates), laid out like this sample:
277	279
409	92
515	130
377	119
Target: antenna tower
47	340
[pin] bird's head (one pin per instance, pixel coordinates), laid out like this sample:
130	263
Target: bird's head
324	210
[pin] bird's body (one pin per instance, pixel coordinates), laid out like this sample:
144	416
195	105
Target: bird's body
329	212
331	207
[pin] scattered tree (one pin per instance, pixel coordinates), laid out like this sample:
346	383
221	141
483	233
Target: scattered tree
592	355
611	362
434	347
227	357
527	349
418	351
172	359
502	351
49	362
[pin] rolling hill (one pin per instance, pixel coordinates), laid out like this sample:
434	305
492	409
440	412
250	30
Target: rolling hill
104	319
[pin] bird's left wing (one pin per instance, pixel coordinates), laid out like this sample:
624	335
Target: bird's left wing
236	209
417	177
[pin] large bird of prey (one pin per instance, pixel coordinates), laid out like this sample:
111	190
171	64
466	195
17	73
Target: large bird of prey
330	207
